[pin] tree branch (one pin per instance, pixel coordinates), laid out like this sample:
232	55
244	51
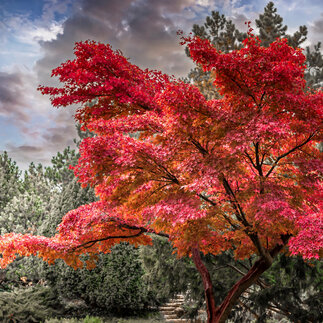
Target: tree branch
289	152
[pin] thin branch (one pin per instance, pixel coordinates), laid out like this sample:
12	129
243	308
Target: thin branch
206	199
91	243
199	147
249	157
289	152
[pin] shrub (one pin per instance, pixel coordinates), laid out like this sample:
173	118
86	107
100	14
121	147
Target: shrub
32	304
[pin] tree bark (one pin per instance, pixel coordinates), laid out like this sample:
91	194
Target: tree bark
220	314
207	283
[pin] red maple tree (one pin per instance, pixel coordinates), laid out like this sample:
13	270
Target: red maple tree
239	173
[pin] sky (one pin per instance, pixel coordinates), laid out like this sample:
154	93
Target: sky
38	35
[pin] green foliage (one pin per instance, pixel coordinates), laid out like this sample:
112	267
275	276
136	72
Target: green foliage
314	72
70	197
294	288
167	275
271	26
64	320
87	319
116	285
10	183
92	319
220	31
59	172
26	212
28	305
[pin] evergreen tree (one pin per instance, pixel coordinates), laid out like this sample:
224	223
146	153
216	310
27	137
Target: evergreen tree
116	284
59	171
314	73
26	212
36	204
271	27
10	182
223	34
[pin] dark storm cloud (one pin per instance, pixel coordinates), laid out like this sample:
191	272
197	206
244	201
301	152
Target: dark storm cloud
24	154
54	139
62	134
142	29
316	30
12	99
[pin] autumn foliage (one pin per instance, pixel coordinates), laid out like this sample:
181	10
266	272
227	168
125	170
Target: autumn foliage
242	172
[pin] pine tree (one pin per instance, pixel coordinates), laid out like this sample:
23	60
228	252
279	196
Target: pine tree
314	73
10	182
223	34
270	25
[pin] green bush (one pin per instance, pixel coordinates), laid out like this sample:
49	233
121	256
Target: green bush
116	285
32	304
87	319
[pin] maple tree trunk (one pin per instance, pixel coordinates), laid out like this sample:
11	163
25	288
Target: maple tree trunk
222	312
207	283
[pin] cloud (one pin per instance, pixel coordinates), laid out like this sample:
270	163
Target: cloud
32	128
12	97
144	30
316	30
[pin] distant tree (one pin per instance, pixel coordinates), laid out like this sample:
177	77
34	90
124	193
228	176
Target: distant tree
10	182
271	27
224	36
314	71
116	284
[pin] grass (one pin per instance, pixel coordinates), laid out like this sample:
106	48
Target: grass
154	318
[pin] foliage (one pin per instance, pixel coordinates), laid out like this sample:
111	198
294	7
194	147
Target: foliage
270	27
10	183
115	286
26	212
224	36
49	194
314	61
240	173
292	288
33	304
87	319
269	74
59	171
165	274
